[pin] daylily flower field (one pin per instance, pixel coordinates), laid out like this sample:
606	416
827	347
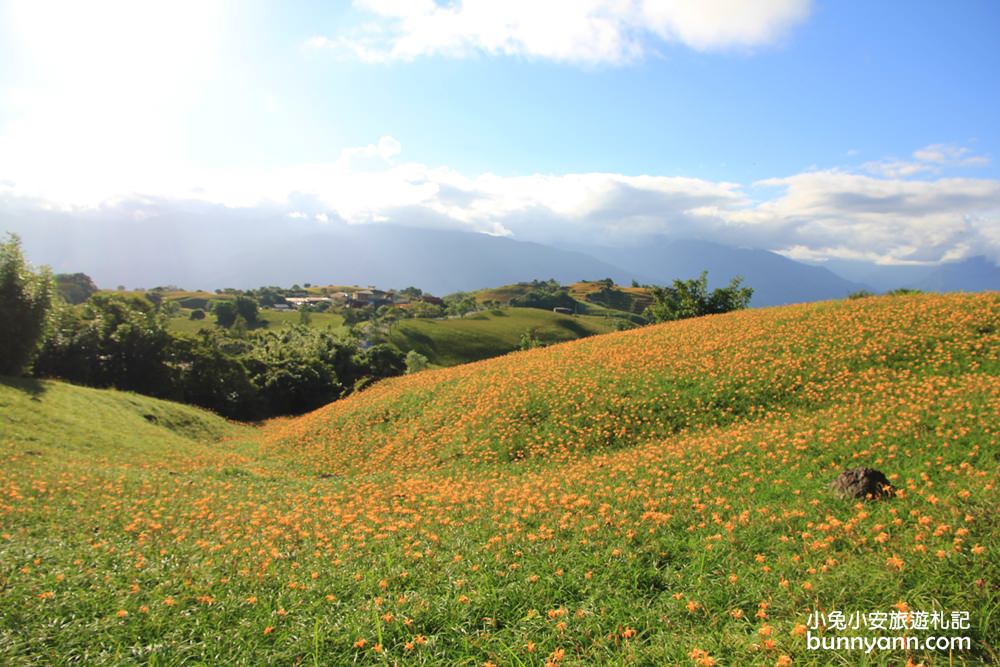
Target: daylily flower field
657	496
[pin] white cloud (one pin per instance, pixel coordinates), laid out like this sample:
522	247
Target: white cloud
816	214
837	214
950	154
930	159
576	31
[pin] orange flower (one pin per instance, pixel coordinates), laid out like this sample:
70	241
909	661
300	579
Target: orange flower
702	658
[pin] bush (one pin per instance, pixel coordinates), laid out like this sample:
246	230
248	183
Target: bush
415	362
691	298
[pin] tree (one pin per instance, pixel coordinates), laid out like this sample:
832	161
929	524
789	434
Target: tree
415	362
227	312
247	307
117	341
424	309
691	298
170	308
357	315
75	288
216	380
460	304
25	305
385	360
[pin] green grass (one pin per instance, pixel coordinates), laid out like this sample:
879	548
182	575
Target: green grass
182	323
490	333
55	419
618	500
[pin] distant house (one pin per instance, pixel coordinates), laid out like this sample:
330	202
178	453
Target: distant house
562	310
299	301
369	297
427	298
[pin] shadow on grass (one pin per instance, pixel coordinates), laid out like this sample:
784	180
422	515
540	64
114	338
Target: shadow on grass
30	386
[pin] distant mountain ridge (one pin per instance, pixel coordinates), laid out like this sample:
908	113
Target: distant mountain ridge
969	275
215	253
775	279
214	249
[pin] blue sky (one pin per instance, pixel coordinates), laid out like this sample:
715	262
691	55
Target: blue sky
883	79
818	129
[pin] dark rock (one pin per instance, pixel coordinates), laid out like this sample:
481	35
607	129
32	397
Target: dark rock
864	483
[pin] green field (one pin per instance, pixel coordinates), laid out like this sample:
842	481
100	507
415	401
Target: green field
486	334
183	323
658	496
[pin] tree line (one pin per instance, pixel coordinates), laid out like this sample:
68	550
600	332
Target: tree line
122	341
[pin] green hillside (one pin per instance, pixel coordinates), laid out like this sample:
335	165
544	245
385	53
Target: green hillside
658	496
599	298
57	420
490	333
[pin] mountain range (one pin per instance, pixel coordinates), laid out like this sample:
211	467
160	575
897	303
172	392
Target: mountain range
197	253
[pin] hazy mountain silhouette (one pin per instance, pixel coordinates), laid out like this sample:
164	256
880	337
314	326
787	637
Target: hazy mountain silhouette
434	260
199	253
212	247
775	279
970	275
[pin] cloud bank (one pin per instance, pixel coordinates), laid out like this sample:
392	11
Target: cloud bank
570	31
819	214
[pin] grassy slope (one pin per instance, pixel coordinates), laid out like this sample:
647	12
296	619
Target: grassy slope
624	499
57	419
489	334
631	300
